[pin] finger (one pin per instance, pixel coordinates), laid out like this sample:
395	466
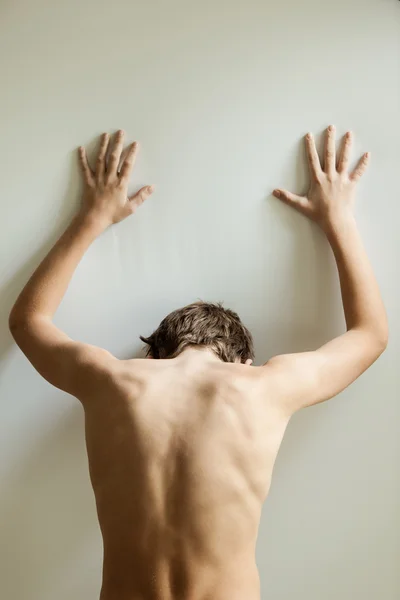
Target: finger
101	157
312	155
360	168
115	155
124	154
129	161
330	150
344	156
291	199
140	196
86	170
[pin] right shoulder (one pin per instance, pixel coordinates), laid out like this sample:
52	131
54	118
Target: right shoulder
102	374
107	370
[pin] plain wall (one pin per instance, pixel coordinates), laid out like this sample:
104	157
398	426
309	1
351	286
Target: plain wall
220	95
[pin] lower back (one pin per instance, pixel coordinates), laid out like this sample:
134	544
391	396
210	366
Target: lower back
237	581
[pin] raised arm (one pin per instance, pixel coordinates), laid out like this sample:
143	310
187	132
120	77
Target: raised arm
63	362
308	378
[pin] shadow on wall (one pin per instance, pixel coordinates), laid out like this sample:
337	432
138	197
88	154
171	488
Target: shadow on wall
314	314
310	288
47	512
10	290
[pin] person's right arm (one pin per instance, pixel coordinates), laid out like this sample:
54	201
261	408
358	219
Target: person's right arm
307	378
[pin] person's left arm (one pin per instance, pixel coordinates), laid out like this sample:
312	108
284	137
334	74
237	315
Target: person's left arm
65	363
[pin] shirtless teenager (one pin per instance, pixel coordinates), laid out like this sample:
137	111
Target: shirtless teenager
181	449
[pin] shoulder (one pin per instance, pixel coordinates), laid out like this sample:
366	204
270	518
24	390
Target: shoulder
271	381
107	369
248	379
96	370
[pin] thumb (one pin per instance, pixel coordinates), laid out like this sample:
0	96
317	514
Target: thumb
298	202
137	199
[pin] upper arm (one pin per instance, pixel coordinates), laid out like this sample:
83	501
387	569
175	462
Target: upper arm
71	366
307	378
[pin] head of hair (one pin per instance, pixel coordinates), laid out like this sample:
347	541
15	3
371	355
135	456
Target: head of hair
202	324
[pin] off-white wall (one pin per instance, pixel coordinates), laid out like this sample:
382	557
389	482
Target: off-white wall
220	94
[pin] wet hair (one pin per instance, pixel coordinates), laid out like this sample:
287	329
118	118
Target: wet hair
201	324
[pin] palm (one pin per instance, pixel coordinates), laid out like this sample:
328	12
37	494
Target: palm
332	186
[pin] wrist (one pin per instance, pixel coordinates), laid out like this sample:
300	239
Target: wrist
338	221
93	224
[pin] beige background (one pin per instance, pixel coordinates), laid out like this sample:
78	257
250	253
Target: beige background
219	93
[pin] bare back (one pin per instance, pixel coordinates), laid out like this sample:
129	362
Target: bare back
181	453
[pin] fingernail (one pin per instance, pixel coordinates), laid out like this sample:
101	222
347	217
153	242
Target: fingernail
309	136
367	154
331	128
150	188
276	193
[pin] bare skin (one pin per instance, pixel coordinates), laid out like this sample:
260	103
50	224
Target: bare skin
181	451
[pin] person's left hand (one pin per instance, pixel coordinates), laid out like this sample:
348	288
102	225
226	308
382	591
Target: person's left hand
106	186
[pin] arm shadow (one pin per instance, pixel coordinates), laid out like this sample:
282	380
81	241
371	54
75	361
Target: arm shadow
310	286
313	309
10	289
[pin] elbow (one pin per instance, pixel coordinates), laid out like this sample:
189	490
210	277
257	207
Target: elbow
382	341
383	335
17	325
373	341
379	340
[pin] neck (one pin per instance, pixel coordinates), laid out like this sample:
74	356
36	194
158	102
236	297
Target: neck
198	352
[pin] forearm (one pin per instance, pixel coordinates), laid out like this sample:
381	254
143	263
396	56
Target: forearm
362	301
47	286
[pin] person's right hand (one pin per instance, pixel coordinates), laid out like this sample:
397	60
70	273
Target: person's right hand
332	190
105	196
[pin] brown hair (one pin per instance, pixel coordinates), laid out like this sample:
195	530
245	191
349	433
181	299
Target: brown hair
201	324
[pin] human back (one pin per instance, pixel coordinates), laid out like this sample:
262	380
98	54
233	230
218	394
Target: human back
181	453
